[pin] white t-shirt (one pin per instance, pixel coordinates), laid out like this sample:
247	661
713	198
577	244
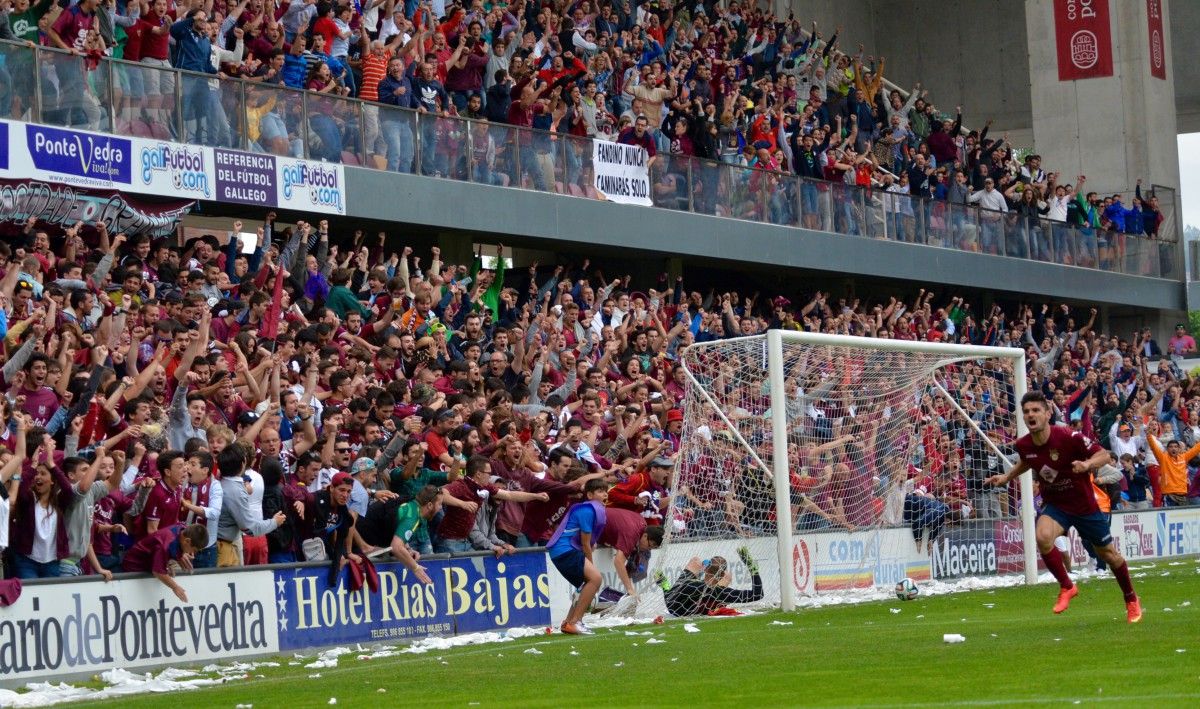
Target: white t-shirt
45	534
257	487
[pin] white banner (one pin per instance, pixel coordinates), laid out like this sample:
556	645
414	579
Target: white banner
621	172
62	629
165	169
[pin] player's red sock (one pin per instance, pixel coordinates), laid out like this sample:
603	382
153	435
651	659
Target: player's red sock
1122	574
1054	563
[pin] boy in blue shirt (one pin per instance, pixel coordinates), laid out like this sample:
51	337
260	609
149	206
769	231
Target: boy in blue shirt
571	551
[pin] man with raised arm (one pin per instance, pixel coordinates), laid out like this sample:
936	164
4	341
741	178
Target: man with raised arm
1064	461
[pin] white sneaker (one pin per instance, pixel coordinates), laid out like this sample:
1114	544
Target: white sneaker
583	629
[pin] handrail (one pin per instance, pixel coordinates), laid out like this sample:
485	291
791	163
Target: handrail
782	198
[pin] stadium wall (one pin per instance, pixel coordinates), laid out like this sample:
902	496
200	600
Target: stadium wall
68	629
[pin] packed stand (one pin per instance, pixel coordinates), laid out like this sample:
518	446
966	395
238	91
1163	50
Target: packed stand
691	84
321	398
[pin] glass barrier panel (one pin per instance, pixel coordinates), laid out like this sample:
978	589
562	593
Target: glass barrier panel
706	185
17	71
274	120
580	175
334	129
453	148
876	203
213	111
937	226
144	101
991	232
500	166
1170	261
1016	238
540	158
744	198
1141	259
669	182
393	137
726	185
781	205
347	115
75	91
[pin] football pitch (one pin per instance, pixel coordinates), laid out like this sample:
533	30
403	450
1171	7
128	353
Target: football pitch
883	653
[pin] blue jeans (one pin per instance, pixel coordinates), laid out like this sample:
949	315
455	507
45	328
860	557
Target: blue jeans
399	138
452	546
205	558
281	557
432	163
922	512
331	137
26	568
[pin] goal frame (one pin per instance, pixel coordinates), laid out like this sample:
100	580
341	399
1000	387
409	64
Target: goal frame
780	472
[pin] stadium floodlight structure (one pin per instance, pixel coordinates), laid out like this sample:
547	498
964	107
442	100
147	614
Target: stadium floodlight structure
862	421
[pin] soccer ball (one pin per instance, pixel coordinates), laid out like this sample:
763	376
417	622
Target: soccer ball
906	590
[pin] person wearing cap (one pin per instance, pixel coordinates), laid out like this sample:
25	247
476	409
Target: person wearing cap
642	491
364	473
334	522
674	430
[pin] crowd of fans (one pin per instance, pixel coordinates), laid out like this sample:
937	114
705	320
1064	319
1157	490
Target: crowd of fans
720	81
321	398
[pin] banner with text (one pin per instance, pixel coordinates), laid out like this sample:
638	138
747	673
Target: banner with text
467	595
1083	33
56	630
64	205
155	167
1158	42
622	172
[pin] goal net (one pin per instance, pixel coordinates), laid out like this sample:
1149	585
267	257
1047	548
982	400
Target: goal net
847	470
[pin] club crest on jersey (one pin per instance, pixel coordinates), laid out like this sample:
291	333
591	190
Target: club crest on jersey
1053	454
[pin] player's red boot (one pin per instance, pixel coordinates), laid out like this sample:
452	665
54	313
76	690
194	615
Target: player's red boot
1133	610
1064	598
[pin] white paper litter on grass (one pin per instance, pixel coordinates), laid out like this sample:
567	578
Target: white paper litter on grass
333	700
533	651
427	644
618	664
655	641
573	652
893	610
691	628
1185	604
780	622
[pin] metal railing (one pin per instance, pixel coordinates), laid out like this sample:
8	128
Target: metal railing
135	99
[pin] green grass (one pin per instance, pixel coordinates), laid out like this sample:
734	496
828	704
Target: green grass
1016	653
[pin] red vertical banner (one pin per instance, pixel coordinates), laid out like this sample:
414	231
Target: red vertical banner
1083	32
1158	43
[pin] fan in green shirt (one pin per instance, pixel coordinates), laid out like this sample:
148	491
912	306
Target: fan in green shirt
25	16
340	299
412	519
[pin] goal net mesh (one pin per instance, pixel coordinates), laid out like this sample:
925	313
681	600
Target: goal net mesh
873	444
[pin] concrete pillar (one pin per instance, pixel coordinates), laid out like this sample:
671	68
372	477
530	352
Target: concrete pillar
1112	129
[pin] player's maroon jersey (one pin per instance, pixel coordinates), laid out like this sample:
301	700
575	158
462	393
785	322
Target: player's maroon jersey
1051	462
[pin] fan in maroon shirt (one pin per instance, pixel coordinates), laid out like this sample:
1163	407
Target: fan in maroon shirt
155	552
1064	461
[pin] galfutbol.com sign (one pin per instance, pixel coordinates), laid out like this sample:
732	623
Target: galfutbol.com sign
83	159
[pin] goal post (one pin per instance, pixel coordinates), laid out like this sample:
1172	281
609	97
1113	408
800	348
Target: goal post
795	442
